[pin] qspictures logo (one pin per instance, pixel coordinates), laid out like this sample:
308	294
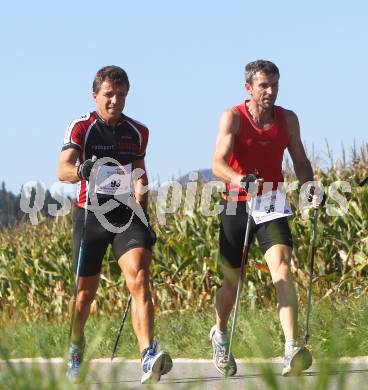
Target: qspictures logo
173	196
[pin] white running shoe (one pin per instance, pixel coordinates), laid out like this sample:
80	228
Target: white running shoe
225	364
155	364
298	360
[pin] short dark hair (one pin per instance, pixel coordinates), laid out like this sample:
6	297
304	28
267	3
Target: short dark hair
114	73
264	66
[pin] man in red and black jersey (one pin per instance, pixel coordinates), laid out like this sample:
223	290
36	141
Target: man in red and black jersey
252	138
119	143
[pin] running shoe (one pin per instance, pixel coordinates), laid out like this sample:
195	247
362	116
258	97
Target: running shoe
298	360
75	358
223	361
155	364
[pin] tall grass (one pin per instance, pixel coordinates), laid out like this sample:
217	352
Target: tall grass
35	277
337	331
36	284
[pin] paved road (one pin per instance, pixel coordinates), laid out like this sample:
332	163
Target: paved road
201	375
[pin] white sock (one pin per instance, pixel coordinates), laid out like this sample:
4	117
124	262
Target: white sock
76	346
222	337
289	346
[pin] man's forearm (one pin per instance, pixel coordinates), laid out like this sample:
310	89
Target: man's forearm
304	172
143	201
141	193
224	172
68	173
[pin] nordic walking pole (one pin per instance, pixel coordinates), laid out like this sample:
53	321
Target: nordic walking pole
80	258
125	313
244	261
309	302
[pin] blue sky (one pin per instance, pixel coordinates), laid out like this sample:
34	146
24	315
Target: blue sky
185	62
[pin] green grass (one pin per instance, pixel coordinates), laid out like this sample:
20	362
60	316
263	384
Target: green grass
337	329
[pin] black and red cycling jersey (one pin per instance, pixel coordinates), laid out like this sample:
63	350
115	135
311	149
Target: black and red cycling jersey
91	136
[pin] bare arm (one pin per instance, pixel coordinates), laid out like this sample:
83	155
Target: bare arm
229	124
67	170
302	166
141	193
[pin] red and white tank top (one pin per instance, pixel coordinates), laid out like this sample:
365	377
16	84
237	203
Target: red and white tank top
259	150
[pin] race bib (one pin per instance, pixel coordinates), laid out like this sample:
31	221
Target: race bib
114	180
269	206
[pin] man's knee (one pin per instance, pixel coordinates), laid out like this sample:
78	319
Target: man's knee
138	283
278	259
229	287
85	298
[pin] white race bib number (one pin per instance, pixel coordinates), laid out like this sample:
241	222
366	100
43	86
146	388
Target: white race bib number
114	180
270	206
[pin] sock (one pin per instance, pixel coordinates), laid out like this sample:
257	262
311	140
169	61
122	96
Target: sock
289	346
77	347
222	337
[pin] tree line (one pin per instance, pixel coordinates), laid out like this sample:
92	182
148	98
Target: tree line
10	210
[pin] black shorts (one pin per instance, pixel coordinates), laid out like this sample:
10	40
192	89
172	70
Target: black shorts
232	234
97	238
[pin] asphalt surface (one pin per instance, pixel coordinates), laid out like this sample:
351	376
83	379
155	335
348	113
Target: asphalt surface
201	374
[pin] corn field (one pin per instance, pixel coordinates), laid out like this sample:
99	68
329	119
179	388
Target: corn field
35	273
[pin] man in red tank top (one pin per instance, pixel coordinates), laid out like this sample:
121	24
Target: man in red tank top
252	137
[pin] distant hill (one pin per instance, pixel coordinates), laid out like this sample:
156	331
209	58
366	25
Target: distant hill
203	175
